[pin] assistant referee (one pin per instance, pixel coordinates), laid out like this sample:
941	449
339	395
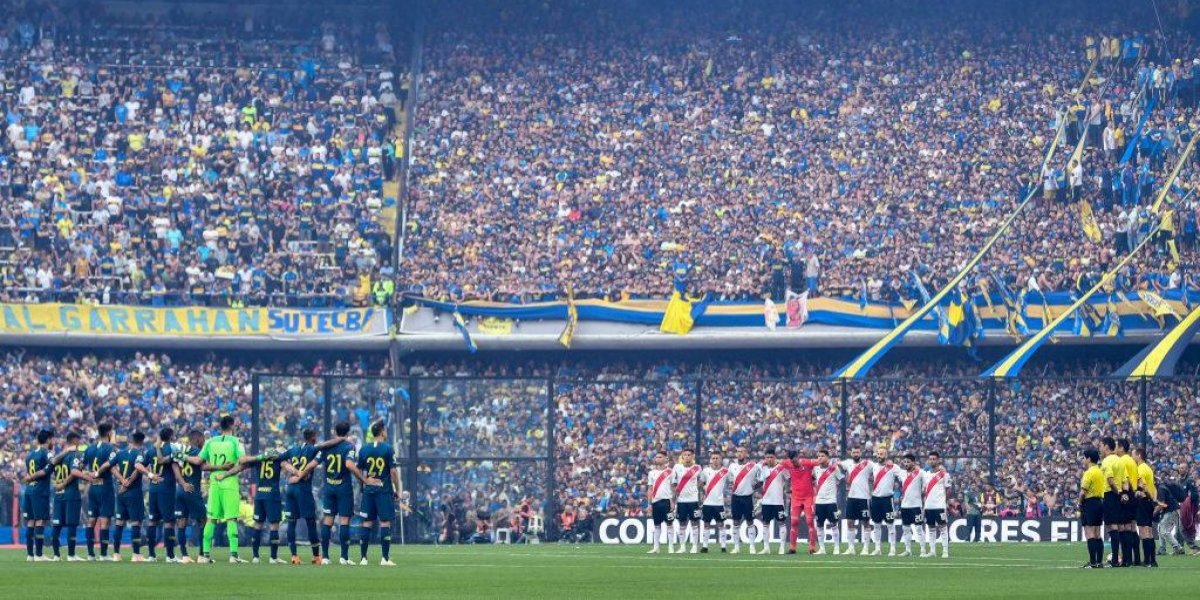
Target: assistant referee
1114	513
1091	507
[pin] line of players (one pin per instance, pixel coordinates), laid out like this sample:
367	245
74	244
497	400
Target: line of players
690	495
114	494
1118	494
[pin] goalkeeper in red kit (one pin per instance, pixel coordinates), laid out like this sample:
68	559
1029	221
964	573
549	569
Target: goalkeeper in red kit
803	499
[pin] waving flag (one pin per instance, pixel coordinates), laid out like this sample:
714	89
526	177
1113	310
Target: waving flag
461	326
1159	309
677	318
1087	320
939	313
797	308
1014	310
770	314
681	313
568	333
962	326
1112	320
1088	220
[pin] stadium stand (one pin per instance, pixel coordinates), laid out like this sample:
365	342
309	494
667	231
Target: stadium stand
266	176
615	158
235	161
181	160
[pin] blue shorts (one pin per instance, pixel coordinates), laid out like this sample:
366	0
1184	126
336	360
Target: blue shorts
267	509
337	501
35	507
377	507
101	502
66	511
131	507
162	506
190	506
299	503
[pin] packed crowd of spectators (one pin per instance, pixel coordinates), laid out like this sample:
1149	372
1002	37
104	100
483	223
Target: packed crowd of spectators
194	159
734	146
472	418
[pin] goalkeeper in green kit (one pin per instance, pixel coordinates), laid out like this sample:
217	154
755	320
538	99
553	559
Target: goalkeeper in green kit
222	453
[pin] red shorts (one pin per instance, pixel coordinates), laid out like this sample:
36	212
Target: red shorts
807	505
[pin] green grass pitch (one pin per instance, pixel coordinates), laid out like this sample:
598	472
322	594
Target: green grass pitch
622	572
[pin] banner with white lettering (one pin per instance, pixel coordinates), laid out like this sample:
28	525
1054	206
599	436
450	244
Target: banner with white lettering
636	530
193	321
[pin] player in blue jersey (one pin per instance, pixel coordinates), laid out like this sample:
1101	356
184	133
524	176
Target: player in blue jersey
101	500
68	468
128	470
378	502
35	504
159	462
337	495
299	503
189	503
268	498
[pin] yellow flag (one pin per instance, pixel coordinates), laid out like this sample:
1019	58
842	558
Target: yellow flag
568	332
1086	218
678	317
1159	308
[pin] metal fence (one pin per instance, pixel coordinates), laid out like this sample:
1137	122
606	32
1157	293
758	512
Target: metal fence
495	441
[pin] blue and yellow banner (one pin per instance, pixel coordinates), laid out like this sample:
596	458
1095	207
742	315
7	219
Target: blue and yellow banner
995	315
146	321
1159	358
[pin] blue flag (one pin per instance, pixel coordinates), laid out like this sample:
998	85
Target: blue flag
943	328
1112	321
461	326
1014	309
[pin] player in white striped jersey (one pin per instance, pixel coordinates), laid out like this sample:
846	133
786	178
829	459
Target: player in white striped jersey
936	481
712	511
742	477
826	478
687	500
661	481
858	493
912	500
773	477
884	476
